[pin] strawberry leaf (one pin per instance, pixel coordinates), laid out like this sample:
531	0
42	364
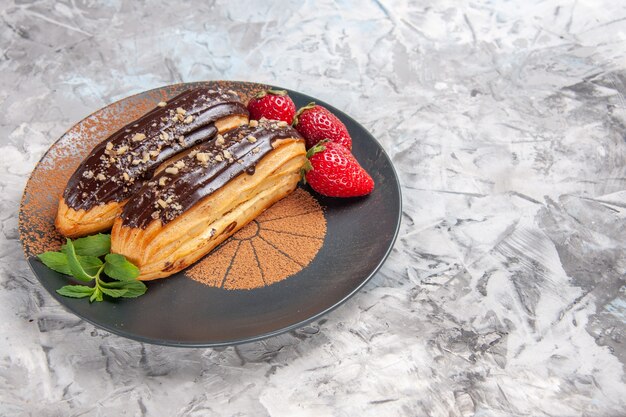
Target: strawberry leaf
277	92
300	111
316	149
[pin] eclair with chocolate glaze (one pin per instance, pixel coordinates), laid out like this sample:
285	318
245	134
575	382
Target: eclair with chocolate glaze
198	201
119	166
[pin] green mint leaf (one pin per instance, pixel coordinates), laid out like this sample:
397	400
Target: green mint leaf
76	291
75	267
80	259
90	264
56	261
119	268
96	245
133	288
96	296
115	293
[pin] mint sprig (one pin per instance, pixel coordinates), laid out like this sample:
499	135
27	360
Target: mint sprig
81	260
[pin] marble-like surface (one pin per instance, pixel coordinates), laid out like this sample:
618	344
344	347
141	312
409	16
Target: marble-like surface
506	120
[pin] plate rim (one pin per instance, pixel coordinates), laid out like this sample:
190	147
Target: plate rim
251	339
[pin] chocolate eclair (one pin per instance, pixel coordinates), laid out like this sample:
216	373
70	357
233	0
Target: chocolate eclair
199	200
119	166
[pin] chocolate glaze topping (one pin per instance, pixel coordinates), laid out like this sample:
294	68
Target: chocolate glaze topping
205	169
120	165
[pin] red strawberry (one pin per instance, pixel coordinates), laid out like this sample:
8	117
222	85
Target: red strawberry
272	104
331	170
316	123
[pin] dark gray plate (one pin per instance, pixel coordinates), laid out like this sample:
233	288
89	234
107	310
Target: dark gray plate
178	311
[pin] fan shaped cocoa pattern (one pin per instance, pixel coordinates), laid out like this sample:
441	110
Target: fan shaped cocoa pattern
277	244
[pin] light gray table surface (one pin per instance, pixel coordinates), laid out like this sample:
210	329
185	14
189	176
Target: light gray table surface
505	293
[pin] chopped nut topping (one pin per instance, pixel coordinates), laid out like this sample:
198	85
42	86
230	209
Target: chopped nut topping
231	160
253	123
179	164
227	154
162	104
251	139
121	150
169	199
180	110
181	140
155	215
219	158
85	195
177	206
256	150
188	119
126	176
262	119
161	203
109	146
282	123
202	156
88	174
136	161
164	136
219	140
101	177
172	170
163	181
232	92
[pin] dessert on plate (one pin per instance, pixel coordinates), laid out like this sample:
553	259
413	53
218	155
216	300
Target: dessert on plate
186	176
119	166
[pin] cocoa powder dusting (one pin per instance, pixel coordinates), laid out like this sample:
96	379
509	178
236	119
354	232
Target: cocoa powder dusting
49	178
279	243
